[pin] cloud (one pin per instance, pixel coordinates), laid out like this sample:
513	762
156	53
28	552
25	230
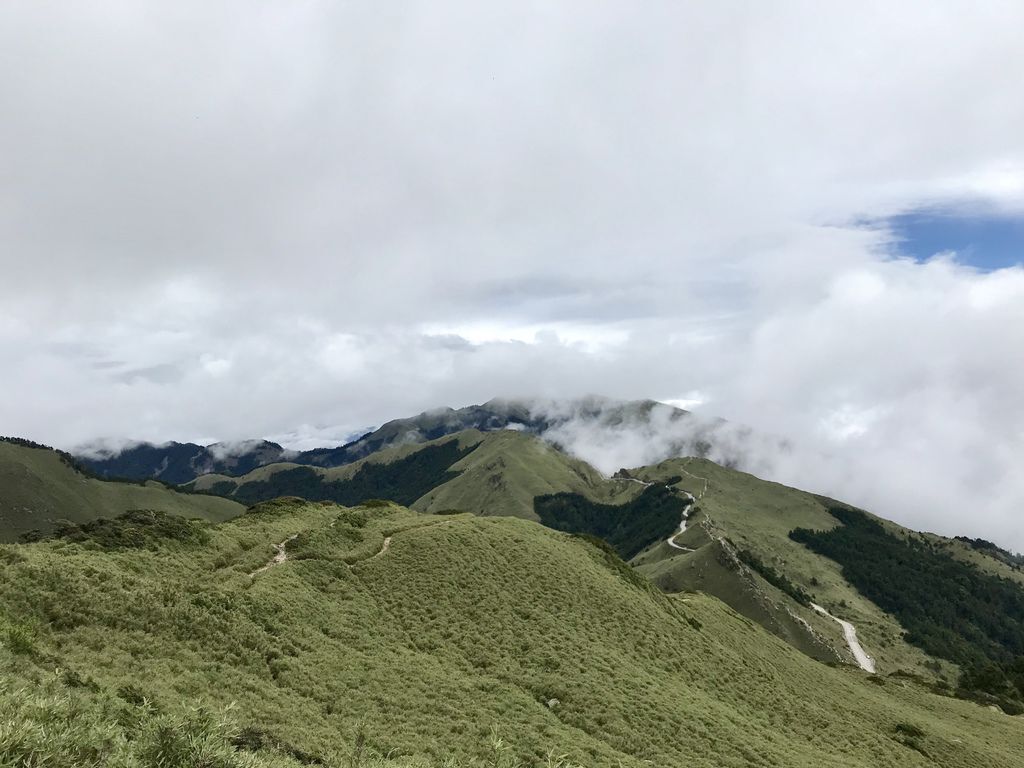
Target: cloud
302	219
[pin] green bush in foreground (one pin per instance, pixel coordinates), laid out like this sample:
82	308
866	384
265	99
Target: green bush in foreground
46	724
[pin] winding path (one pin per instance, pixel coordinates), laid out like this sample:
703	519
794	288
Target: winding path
697	477
281	552
850	633
671	540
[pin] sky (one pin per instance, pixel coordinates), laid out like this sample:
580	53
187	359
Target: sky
300	219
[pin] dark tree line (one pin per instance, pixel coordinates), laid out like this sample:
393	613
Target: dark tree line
629	527
403	480
773	577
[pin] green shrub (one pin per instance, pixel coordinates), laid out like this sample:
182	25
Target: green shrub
20	639
135	529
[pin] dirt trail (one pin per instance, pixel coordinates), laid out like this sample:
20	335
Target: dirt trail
698	477
281	551
671	540
280	555
850	633
384	547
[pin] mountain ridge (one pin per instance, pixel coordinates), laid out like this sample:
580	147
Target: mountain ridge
179	463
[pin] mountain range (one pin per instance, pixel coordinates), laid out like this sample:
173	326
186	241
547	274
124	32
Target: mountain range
457	589
179	463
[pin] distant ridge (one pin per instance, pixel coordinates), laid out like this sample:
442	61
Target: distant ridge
179	463
42	488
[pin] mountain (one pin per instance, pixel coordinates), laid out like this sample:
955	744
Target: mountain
178	463
378	636
40	487
754	544
492	473
560	421
814	580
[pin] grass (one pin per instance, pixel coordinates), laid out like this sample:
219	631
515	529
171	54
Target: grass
476	641
39	489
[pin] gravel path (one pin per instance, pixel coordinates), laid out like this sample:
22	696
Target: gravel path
850	633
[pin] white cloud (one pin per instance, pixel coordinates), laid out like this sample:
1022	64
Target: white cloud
304	219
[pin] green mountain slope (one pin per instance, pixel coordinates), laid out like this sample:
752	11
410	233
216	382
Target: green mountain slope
38	487
183	462
379	630
509	469
493	473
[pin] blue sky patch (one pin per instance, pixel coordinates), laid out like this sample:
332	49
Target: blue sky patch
984	241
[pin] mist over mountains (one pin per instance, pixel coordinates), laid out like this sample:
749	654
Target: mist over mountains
610	434
607	433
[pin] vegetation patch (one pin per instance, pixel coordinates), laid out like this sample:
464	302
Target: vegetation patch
773	577
403	480
616	563
629	527
1012	559
135	529
911	736
463	625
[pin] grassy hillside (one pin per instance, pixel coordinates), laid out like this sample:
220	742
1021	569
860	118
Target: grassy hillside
386	631
38	487
952	609
748	516
510	469
715	569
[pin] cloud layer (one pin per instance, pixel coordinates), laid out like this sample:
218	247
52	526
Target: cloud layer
302	219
